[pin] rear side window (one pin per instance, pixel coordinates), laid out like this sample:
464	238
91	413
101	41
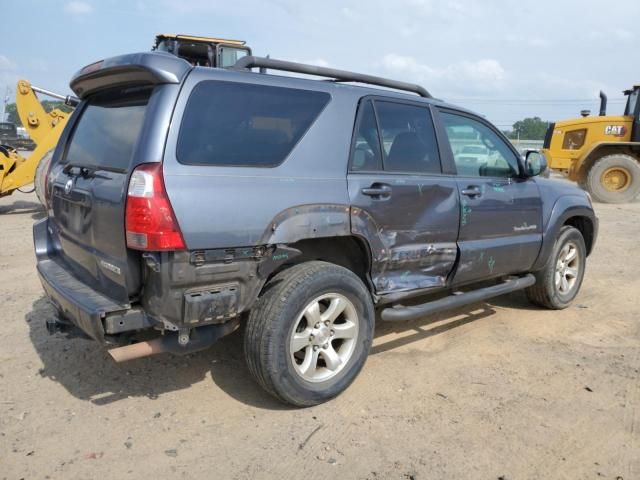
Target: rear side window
408	138
238	124
107	131
395	137
366	154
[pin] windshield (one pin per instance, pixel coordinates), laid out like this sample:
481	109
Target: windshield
107	132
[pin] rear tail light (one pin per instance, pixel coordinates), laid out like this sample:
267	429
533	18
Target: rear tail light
150	222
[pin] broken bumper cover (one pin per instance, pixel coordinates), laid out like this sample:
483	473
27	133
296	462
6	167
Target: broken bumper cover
77	303
94	313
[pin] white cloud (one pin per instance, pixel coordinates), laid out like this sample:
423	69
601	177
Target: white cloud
479	75
77	7
623	34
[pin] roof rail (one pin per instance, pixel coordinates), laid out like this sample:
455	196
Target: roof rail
250	61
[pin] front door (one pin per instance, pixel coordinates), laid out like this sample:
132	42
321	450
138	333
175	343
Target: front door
401	203
500	212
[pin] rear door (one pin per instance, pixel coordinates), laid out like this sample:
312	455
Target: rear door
87	194
500	212
401	202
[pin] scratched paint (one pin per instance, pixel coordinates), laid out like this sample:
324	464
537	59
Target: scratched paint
491	263
401	261
465	212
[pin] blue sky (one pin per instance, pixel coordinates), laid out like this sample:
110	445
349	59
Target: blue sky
505	59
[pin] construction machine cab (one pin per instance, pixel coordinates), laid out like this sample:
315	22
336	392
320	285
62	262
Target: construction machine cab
203	51
632	109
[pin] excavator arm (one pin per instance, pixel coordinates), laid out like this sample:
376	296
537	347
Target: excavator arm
43	127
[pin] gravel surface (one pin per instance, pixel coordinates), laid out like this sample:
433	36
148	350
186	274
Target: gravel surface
499	390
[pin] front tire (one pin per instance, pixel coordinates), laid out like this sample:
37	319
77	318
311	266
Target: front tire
558	283
614	179
309	333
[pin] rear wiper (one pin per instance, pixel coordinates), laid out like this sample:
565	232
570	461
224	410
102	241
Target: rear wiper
88	172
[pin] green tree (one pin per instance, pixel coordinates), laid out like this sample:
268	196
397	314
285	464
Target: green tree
532	128
48	105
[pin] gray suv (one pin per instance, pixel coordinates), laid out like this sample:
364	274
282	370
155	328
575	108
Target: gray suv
184	202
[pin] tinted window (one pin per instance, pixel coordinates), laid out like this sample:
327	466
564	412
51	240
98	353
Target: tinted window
366	149
408	138
107	131
235	124
478	151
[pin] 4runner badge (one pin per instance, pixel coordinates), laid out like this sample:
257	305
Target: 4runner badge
111	267
525	227
615	130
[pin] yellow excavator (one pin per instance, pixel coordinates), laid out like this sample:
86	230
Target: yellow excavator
601	153
44	128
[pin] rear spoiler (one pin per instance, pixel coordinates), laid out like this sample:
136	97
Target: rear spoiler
147	68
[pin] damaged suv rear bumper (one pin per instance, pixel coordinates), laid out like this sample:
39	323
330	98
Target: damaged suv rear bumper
94	313
104	319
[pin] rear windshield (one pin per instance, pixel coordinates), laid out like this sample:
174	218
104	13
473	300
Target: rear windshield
107	131
238	124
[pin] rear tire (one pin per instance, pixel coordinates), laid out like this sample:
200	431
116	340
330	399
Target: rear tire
309	333
558	283
40	179
614	179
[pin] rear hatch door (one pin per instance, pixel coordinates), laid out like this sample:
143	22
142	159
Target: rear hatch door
88	191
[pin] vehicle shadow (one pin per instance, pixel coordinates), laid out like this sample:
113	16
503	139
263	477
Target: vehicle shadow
426	327
21	207
87	371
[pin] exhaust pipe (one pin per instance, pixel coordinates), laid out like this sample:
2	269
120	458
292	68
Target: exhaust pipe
603	104
137	350
201	338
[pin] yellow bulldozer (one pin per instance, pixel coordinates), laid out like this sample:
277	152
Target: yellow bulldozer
44	128
601	153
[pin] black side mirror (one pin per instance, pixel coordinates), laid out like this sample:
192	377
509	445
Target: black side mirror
535	163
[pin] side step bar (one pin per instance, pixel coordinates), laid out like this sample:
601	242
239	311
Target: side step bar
399	313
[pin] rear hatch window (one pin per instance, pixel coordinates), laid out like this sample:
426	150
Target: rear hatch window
239	124
107	132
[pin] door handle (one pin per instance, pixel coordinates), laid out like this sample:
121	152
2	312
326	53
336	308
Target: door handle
472	191
377	190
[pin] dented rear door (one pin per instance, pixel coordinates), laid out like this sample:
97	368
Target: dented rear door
401	202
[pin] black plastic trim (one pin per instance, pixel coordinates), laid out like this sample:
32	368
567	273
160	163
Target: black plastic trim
396	314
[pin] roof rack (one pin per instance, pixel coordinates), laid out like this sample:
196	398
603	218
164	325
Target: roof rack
250	62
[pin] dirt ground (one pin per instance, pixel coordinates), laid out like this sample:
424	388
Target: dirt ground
500	390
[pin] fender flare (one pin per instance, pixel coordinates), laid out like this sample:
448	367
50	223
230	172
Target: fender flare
565	207
305	222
